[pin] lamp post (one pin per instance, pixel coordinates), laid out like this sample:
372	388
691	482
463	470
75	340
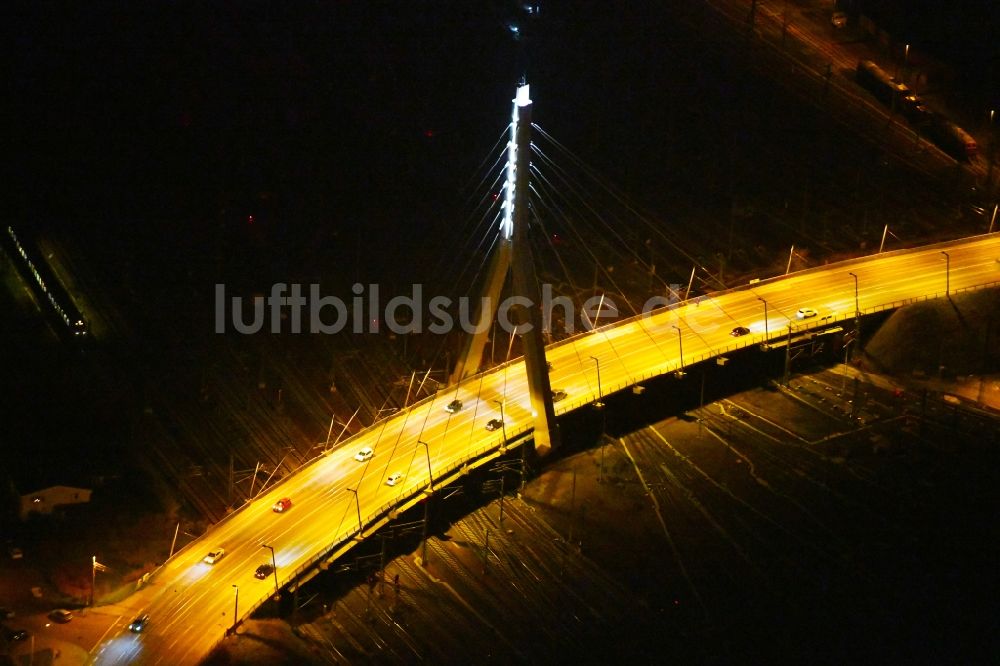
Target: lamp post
857	310
765	317
857	325
427	500
357	502
236	607
430	474
503	421
680	346
947	273
274	570
600	395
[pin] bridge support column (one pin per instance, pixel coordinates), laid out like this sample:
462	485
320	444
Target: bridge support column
529	314
514	255
472	357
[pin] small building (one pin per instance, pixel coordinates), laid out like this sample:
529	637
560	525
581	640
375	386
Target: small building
46	500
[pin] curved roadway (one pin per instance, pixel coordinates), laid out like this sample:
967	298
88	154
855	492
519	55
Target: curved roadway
191	603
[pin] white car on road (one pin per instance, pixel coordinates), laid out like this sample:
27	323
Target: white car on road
214	556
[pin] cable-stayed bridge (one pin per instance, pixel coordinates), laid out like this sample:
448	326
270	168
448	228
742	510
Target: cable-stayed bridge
345	495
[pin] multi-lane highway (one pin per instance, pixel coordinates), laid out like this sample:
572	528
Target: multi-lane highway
191	603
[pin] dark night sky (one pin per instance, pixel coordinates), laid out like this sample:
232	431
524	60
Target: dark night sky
147	111
160	113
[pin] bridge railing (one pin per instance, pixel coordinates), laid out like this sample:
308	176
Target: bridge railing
409	493
847	263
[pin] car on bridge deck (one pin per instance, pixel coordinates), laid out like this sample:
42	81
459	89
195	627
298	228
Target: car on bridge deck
558	394
494	424
263	571
139	623
364	454
738	331
453	406
806	313
214	556
282	505
394	479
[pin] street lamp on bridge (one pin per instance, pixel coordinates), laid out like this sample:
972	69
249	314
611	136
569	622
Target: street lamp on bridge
503	422
274	570
947	273
427	500
600	395
357	502
857	310
765	317
236	608
604	423
680	346
430	474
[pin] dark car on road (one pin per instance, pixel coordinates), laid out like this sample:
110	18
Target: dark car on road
60	615
15	635
494	424
138	624
263	571
453	406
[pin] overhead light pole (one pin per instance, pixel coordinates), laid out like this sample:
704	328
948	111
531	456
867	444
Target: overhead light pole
357	502
274	570
857	324
600	395
503	421
947	274
680	346
430	474
857	310
599	405
427	501
236	608
765	318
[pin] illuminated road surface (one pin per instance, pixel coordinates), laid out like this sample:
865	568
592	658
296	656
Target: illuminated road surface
190	603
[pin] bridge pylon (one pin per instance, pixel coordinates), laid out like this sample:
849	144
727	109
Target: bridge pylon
514	255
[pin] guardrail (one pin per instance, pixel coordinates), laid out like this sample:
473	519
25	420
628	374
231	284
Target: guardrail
410	494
